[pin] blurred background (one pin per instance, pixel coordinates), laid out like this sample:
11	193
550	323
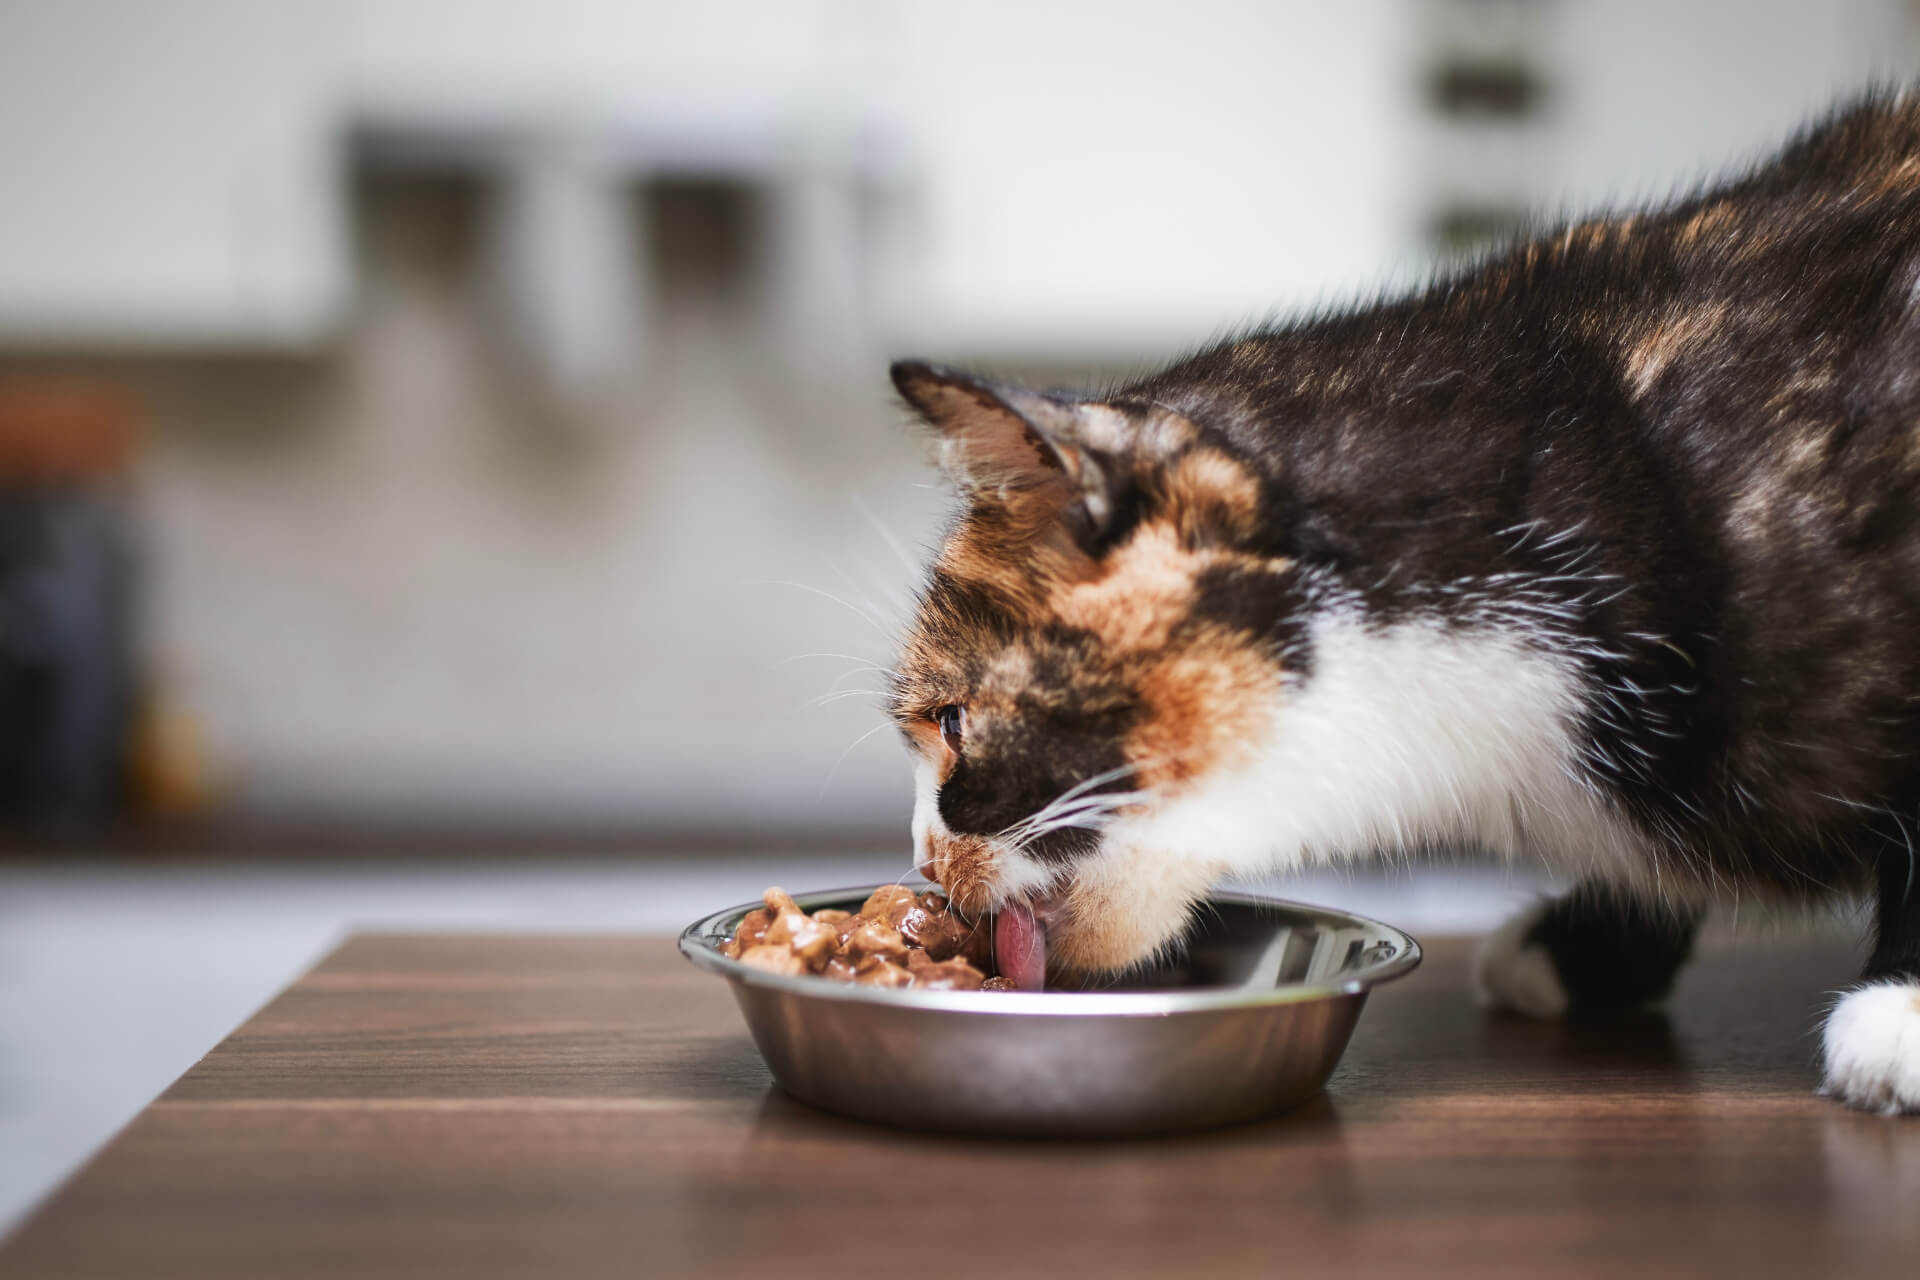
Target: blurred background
448	476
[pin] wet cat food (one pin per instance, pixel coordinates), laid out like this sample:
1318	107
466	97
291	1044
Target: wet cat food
897	939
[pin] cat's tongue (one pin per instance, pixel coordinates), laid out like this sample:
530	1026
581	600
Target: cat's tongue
1020	947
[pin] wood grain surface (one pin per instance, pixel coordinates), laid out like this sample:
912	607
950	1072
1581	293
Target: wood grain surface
495	1106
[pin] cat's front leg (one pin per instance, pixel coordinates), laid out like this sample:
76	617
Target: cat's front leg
1595	950
1871	1042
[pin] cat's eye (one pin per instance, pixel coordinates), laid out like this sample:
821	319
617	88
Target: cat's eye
952	720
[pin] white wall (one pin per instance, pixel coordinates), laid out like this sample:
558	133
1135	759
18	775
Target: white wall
1658	95
170	173
390	582
1089	178
1095	180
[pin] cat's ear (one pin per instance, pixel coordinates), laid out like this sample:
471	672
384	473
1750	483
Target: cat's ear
1017	448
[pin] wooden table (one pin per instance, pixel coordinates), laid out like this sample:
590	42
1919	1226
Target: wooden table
491	1106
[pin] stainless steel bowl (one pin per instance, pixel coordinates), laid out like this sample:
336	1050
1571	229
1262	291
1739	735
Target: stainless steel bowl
1249	1019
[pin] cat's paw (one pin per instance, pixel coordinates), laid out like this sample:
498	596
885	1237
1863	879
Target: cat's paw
1872	1048
1510	972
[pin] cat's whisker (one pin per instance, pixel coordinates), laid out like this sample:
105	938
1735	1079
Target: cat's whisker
851	672
1099	778
1095	805
845	657
1079	788
1089	815
1049	813
1074	809
852	608
887	535
1085	804
892	610
839	694
842	758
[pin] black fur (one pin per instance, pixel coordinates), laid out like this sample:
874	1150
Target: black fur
1614	952
1261	604
1896	948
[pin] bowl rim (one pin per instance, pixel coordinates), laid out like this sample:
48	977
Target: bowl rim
700	942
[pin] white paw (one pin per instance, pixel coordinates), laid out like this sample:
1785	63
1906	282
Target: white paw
1511	973
1872	1048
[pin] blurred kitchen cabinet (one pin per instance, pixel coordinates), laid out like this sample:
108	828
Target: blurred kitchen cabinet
170	173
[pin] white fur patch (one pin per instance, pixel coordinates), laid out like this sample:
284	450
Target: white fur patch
1872	1048
1511	973
1403	738
926	813
1018	876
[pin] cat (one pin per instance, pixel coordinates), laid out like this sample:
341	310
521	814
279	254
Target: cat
1604	550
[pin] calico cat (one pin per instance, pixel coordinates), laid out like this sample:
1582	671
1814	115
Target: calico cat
1604	551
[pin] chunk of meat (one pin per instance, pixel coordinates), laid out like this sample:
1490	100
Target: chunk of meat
774	959
872	938
814	941
840	969
937	931
943	975
897	939
751	933
882	973
888	903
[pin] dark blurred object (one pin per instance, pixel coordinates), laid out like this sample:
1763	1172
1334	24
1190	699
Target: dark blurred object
1466	88
1461	231
66	604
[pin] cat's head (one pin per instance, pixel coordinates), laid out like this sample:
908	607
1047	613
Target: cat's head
1101	637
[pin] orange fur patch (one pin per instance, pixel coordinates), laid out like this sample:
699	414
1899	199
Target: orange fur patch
1802	387
1670	338
1195	699
1899	179
1200	706
1597	233
925	736
1018	563
1211	495
1710	223
1144	590
964	866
